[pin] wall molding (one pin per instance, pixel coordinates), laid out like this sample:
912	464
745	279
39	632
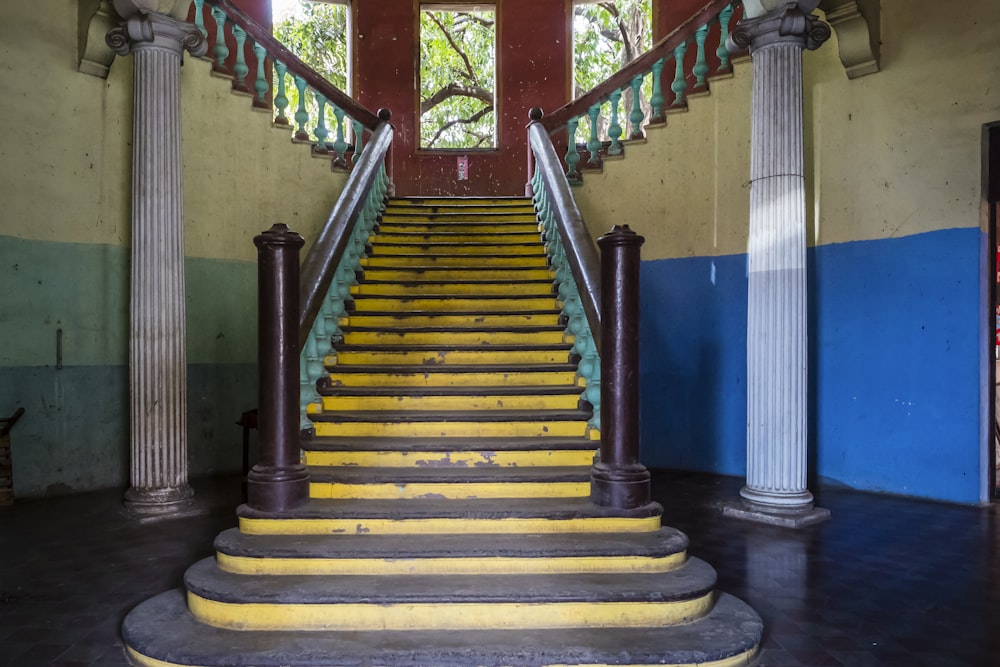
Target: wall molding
857	24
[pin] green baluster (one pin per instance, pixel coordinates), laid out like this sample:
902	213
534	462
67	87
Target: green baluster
679	86
614	127
700	69
320	130
220	50
572	156
306	393
724	16
199	18
339	145
636	116
359	131
301	115
260	83
240	69
594	142
280	100
656	100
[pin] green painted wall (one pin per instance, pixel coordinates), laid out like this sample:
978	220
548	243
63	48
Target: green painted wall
65	173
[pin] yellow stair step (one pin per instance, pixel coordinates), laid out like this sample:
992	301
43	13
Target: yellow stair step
444	357
451	304
451	377
450	429
455	336
377	458
458	261
468	274
540	288
558	401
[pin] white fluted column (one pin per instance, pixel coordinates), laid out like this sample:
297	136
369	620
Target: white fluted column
157	356
777	357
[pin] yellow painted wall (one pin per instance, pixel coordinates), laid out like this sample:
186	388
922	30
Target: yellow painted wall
892	154
684	189
65	149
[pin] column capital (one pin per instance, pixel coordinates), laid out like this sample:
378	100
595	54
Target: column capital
787	24
152	30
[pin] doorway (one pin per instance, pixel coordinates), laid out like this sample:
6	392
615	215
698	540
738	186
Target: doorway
990	213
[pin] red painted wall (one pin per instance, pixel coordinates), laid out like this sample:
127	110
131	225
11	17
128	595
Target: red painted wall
533	62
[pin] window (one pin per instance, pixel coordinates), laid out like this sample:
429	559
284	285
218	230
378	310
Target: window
317	32
457	76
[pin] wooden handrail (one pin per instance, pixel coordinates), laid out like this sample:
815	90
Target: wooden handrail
279	51
557	120
323	258
581	251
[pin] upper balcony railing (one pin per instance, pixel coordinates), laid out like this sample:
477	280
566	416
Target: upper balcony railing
706	31
244	51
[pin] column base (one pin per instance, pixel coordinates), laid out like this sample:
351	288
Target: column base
791	514
623	488
276	489
159	503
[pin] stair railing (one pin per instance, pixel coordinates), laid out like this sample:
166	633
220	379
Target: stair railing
332	264
707	30
573	257
600	297
244	51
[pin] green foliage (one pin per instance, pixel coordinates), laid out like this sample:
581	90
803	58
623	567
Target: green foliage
317	34
457	79
606	37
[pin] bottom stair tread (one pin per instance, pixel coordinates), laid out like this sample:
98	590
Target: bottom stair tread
162	629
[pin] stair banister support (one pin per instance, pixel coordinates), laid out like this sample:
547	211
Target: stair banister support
279	481
618	480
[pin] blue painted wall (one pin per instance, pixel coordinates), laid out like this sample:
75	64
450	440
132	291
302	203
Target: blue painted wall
894	364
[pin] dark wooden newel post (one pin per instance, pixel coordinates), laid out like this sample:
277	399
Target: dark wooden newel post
278	481
618	480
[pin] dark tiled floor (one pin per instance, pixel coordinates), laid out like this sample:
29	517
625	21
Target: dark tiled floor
886	582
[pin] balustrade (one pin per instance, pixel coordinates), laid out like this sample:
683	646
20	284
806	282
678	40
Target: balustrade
705	33
241	46
334	261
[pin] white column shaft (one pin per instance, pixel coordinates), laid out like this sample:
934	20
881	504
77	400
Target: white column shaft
776	333
158	363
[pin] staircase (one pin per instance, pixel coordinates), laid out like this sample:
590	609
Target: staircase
449	521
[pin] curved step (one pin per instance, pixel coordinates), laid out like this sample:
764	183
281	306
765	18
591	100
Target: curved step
455	602
659	551
531	334
470	319
457	261
161	633
466	398
445	517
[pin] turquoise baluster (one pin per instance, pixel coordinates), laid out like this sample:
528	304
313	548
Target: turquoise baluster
636	116
240	69
280	100
310	371
320	130
301	115
724	16
572	156
679	86
614	127
199	18
339	145
260	83
220	50
594	143
700	69
656	100
359	131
